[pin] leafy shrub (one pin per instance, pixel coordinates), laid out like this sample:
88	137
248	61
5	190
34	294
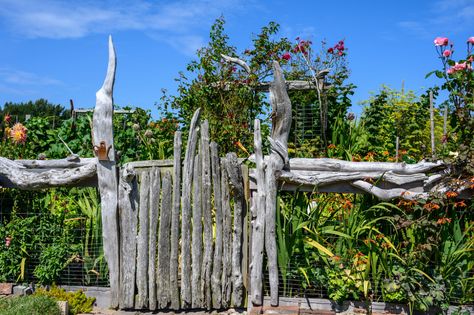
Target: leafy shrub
31	305
78	301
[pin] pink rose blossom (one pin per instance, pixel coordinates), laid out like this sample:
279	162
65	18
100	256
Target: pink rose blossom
441	41
470	40
450	71
447	53
286	56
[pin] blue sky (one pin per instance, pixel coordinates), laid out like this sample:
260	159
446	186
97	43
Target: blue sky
58	49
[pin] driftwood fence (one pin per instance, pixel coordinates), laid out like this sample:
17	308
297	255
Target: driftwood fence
178	240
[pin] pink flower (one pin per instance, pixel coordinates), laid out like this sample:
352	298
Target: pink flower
7	118
286	56
450	71
460	66
441	41
447	53
7	241
470	40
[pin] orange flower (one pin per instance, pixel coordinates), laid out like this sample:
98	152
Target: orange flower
18	133
385	153
431	206
460	204
451	194
443	220
331	146
347	204
336	258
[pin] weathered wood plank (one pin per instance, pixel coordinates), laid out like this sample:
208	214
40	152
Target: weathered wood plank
71	162
155	190
258	226
235	175
207	217
128	203
102	133
186	295
226	238
164	243
142	241
217	263
245	229
174	251
197	234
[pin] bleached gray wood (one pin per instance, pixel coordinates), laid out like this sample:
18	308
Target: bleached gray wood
326	164
281	123
238	61
186	294
163	293
217	262
321	178
258	218
388	194
102	130
151	163
197	297
206	267
59	163
155	190
14	174
235	176
397	144
142	241
445	125
128	203
432	131
174	250
226	238
245	228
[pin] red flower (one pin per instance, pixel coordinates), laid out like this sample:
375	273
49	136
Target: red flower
7	118
331	50
286	56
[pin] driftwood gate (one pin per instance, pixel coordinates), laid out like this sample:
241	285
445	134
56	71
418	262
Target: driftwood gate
179	240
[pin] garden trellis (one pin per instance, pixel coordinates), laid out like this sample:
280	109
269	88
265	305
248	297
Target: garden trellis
151	207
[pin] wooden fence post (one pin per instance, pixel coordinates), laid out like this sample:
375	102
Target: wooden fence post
103	139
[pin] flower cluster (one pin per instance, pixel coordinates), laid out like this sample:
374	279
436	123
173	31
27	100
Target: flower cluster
338	49
18	133
445	51
302	46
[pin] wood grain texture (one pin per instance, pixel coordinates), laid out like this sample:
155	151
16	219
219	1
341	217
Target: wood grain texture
128	212
154	213
174	250
164	244
186	294
206	267
196	248
102	130
226	238
216	277
142	241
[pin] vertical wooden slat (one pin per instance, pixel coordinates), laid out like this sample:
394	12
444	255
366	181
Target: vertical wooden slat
245	227
128	203
217	263
226	238
186	294
258	226
174	292
207	216
103	140
197	234
235	175
155	188
142	241
164	244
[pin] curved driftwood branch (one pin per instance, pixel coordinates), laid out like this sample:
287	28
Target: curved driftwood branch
237	61
60	163
13	173
326	164
388	194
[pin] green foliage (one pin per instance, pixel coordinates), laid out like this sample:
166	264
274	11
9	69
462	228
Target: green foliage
392	113
31	305
78	302
38	108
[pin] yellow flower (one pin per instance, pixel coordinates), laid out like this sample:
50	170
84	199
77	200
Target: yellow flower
18	133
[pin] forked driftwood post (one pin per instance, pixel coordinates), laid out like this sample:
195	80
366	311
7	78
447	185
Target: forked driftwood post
281	124
103	138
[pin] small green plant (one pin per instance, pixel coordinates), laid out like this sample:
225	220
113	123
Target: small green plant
31	305
78	301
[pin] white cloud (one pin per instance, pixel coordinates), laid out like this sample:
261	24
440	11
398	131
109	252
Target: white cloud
23	78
